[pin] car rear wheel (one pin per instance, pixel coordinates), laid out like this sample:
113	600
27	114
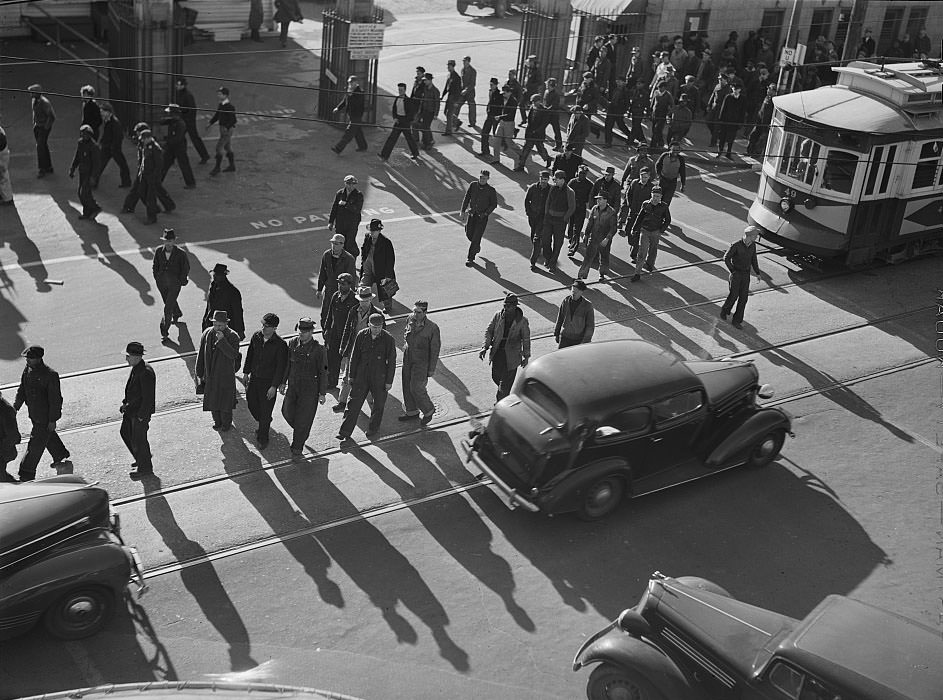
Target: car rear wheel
500	8
601	498
80	613
609	682
461	6
766	449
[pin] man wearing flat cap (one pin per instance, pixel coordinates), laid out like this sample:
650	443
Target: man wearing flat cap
39	389
358	318
43	118
87	161
421	346
352	107
404	110
136	410
334	262
263	372
345	214
217	362
223	296
507	345
175	146
304	384
171	272
371	371
480	200
335	325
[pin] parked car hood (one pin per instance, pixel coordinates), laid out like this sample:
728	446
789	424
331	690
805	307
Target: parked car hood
731	630
193	690
723	378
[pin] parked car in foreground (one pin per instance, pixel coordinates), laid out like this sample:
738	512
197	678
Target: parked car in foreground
586	425
688	639
194	690
62	558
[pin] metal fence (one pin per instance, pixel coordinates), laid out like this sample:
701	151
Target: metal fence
336	66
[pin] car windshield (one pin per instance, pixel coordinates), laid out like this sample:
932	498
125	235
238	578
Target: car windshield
546	399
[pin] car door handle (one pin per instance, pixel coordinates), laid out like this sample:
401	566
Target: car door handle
657	439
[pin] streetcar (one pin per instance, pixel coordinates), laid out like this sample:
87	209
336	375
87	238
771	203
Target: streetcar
853	172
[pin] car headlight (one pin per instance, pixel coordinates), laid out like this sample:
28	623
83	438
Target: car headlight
766	392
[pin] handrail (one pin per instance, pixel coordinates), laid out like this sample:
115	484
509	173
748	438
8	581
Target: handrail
72	30
98	74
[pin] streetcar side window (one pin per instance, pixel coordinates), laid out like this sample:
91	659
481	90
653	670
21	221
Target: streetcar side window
928	172
800	158
839	172
888	167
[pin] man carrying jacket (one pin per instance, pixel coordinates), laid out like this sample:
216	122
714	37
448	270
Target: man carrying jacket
136	410
421	346
575	319
171	271
39	390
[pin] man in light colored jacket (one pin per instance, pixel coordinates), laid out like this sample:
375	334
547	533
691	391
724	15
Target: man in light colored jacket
576	320
421	345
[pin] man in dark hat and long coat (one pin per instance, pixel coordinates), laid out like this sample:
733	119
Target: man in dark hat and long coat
39	389
216	365
136	410
264	372
171	271
223	296
345	214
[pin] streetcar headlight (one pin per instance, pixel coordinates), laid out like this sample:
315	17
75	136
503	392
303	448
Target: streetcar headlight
810	202
785	204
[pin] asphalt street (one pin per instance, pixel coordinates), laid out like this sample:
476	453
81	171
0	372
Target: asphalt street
388	570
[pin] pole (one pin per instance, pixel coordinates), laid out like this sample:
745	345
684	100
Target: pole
792	40
859	10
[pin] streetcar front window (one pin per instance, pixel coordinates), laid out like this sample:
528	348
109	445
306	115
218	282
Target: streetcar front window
800	158
839	172
929	170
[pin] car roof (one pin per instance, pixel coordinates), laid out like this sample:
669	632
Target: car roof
899	660
596	379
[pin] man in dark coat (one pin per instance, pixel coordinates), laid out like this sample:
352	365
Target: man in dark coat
188	111
171	271
730	118
358	318
263	372
39	390
452	94
216	365
223	296
286	12
91	112
150	170
371	370
507	345
553	102
619	102
764	116
112	139
305	383
378	262
43	118
404	110
535	209
9	438
569	162
652	221
582	188
175	146
428	110
535	133
352	107
493	113
87	161
335	262
335	322
136	410
739	259
480	200
345	214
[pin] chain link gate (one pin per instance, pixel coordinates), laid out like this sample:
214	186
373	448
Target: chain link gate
337	66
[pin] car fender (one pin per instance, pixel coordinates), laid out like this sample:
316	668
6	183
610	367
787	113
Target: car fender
643	658
742	438
565	494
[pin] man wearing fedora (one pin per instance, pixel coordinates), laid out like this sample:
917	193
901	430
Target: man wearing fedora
136	410
175	146
263	372
223	296
171	271
216	365
87	161
39	389
334	262
357	320
378	262
371	370
304	384
345	214
507	345
335	322
43	118
421	346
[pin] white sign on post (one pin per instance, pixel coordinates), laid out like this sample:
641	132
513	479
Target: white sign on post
364	54
365	35
788	56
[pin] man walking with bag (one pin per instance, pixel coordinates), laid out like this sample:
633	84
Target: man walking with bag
136	410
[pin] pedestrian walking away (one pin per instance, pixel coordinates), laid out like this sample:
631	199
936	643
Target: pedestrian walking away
43	118
670	168
225	115
421	346
345	214
187	103
535	133
652	221
87	161
533	85
480	200
730	118
576	319
136	410
334	262
507	345
577	130
561	203
217	362
111	143
9	438
582	188
371	371
175	146
304	385
600	228
6	186
39	389
352	107
618	107
740	259
335	324
263	372
171	272
358	318
223	296
452	94
91	112
404	111
150	168
378	264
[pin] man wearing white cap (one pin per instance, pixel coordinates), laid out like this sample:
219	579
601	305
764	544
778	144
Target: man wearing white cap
334	262
345	214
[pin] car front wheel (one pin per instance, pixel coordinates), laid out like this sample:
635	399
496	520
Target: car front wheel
766	449
80	613
601	498
609	682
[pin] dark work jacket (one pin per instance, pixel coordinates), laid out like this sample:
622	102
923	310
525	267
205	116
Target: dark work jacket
112	136
453	87
741	257
39	390
373	360
176	134
480	200
611	188
732	112
151	163
495	104
87	158
266	360
353	105
225	297
652	217
187	105
406	108
307	366
538	119
225	114
335	321
346	216
355	322
331	268
139	392
582	189
176	269
384	259
569	164
535	201
91	115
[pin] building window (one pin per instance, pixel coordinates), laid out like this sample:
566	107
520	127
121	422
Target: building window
916	21
821	24
773	24
696	22
890	29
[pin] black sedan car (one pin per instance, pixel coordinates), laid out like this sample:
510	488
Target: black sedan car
587	425
62	559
